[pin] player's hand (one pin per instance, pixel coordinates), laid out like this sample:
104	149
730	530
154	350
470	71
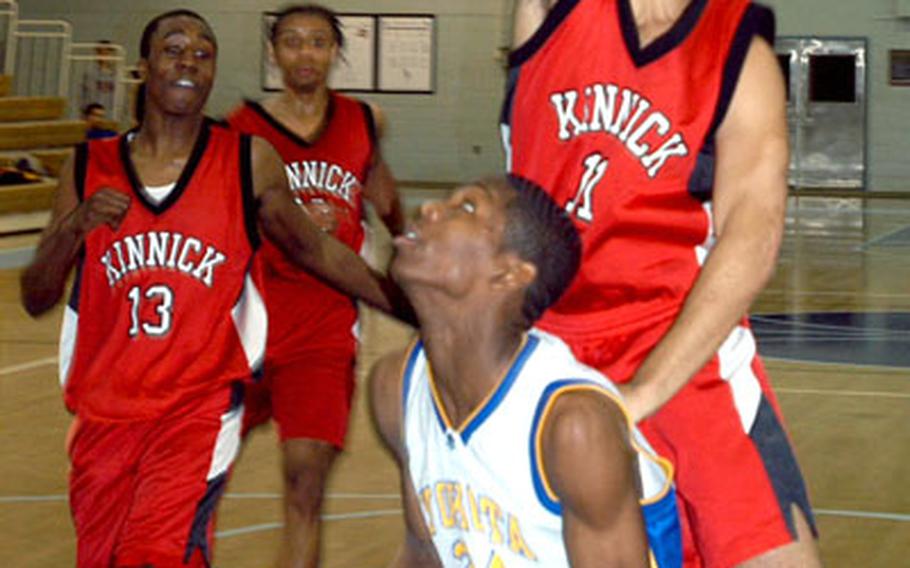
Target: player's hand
107	206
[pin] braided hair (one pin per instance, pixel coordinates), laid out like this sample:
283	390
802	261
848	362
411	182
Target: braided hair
540	232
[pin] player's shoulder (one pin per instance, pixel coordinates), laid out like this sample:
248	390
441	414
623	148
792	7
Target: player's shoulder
583	425
371	110
391	364
390	372
385	393
246	114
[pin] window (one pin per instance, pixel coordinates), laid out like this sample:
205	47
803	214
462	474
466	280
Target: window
832	78
899	67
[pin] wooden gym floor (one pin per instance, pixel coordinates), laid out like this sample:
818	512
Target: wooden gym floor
834	326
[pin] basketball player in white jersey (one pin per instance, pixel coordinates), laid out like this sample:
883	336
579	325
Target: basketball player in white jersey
511	452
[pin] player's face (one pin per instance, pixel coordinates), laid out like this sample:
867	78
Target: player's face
95	118
180	68
305	48
453	244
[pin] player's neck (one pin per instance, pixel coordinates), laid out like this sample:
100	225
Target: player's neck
306	105
654	17
469	356
304	113
165	135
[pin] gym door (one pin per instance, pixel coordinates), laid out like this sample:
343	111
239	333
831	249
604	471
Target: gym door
826	110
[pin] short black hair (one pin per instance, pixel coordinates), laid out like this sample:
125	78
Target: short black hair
145	42
539	231
87	109
317	10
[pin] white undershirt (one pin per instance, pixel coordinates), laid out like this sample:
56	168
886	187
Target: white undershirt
156	193
159	193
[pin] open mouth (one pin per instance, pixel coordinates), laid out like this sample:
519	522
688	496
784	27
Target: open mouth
409	237
185	84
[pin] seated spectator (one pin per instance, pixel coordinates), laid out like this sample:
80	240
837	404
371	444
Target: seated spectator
95	115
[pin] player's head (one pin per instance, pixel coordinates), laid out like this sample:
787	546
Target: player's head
305	41
94	114
539	232
177	54
499	236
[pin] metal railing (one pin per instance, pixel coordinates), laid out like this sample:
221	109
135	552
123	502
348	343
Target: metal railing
130	81
41	65
96	76
9	16
44	61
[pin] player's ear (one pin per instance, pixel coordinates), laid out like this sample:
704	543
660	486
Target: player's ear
142	67
513	272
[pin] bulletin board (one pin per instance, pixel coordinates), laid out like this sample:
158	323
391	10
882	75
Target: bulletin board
356	68
406	54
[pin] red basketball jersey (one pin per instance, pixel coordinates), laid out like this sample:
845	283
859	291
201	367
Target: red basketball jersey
623	137
333	169
166	307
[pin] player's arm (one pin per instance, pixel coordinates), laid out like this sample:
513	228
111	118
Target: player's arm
381	187
527	16
750	195
305	244
385	403
44	279
591	468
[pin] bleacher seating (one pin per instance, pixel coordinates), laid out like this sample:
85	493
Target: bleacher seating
34	127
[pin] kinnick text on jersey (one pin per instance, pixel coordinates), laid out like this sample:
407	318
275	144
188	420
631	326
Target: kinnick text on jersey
321	176
162	250
624	114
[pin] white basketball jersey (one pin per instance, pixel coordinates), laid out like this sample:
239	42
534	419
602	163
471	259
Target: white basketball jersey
483	494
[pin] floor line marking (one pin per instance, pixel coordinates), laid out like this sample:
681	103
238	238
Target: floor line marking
332	517
879	394
28	366
238	496
819	362
328	495
899	517
864	515
32	499
835	293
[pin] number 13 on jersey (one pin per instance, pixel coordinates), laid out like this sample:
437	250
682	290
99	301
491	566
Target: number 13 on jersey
162	298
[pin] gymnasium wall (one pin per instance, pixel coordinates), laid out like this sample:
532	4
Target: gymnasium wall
888	110
452	135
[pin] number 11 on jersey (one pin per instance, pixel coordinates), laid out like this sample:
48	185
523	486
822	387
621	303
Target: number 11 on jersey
582	205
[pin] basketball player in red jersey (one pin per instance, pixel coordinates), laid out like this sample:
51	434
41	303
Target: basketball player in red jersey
660	126
329	145
165	321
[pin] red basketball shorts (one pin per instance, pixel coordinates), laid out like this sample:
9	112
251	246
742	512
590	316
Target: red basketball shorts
144	493
309	390
736	475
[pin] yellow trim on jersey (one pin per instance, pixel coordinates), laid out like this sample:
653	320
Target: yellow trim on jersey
401	382
664	463
403	366
437	400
